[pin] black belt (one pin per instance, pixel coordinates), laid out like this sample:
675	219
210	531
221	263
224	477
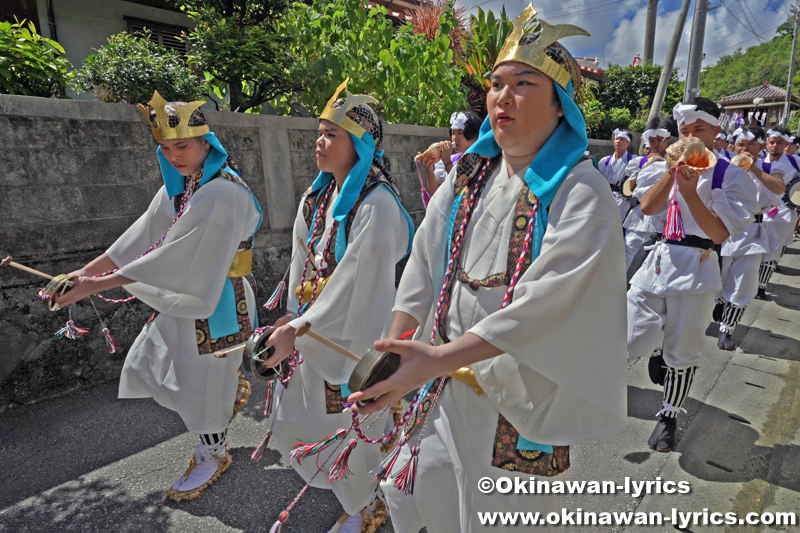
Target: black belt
759	218
693	241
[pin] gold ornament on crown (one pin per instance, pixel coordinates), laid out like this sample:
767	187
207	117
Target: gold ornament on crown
161	128
534	54
338	115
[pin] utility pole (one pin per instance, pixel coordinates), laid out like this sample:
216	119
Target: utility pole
650	32
696	49
788	106
669	61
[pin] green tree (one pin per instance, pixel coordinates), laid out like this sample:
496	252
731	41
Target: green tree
628	85
30	64
767	62
130	67
236	44
411	76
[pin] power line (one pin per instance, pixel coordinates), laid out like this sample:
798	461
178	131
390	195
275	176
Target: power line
615	7
753	17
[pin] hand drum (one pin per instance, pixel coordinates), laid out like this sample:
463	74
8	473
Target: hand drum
375	366
256	352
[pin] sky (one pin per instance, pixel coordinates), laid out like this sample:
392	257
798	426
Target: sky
618	26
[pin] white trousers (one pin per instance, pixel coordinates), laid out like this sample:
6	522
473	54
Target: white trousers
675	322
740	278
634	240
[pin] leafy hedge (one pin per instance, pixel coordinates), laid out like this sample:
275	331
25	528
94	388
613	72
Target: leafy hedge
30	64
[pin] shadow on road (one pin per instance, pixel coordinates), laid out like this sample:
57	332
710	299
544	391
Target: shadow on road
87	506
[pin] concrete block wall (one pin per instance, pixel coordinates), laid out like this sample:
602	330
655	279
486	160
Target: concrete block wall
76	174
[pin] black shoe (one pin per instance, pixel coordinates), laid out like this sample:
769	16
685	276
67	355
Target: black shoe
761	294
663	437
725	342
777	268
657	369
716	314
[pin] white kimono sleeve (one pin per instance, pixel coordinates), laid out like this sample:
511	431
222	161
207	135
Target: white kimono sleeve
736	202
184	277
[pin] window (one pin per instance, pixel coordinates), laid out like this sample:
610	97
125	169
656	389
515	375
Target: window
166	35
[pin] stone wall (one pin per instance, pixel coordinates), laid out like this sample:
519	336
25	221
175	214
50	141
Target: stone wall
76	174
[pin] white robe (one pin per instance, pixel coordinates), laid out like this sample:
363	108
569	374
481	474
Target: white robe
183	280
561	379
638	226
354	310
780	228
614	171
672	308
741	256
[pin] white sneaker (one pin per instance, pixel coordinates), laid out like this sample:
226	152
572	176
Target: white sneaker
204	469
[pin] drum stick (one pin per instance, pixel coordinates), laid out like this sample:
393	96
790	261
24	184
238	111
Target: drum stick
307	251
224	353
8	262
306	330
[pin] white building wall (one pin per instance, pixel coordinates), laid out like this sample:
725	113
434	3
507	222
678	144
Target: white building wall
84	25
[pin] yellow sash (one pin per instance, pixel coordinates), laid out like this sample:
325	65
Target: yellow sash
242	264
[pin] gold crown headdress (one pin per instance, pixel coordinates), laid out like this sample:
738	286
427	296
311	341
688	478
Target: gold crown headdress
338	115
161	127
534	54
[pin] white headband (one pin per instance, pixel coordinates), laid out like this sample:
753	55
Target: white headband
458	121
722	136
747	135
688	114
623	134
648	134
773	133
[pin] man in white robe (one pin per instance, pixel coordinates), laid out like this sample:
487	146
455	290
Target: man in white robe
533	372
741	256
361	232
781	221
639	227
613	168
196	279
672	295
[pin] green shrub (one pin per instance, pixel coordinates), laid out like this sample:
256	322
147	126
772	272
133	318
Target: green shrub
30	64
638	125
129	68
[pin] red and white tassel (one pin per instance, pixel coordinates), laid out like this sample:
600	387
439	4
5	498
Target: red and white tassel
71	331
772	213
384	469
269	399
111	346
340	468
673	230
303	450
261	449
275	300
404	479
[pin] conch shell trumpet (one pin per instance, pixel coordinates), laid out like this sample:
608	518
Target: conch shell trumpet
742	160
692	154
434	152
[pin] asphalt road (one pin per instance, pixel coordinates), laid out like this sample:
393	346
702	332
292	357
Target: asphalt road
87	461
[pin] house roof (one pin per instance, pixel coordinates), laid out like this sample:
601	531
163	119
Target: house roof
590	68
770	93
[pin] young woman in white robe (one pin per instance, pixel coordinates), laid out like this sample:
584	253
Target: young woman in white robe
671	297
741	256
357	253
542	372
197	282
